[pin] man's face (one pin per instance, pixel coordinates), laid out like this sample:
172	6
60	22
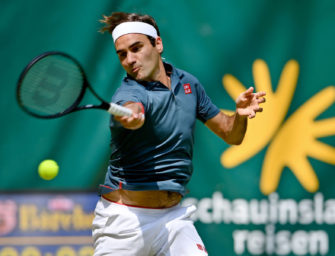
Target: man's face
138	57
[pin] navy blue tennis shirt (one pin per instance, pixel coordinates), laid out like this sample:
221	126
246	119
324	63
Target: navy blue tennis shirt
157	156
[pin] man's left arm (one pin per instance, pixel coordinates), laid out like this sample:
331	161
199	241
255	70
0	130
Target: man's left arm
233	128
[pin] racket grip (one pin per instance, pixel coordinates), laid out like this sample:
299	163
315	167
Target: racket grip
118	110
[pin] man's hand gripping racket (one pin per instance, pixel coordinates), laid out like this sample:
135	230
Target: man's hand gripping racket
136	120
53	84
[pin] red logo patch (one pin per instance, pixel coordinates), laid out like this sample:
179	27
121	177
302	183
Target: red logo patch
187	88
202	248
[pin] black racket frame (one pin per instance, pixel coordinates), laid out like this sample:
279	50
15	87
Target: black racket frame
75	106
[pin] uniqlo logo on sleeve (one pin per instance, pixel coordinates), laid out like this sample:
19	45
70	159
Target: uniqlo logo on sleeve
187	88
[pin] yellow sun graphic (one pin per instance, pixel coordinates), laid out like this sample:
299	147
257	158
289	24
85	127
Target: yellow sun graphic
290	142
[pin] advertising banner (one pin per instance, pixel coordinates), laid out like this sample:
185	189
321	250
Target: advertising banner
48	224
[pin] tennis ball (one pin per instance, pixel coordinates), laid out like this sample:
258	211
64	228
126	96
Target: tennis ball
48	169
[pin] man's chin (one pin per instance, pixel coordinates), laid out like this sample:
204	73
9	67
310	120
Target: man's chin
135	76
139	77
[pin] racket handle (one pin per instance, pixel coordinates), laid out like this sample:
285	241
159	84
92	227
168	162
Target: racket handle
118	110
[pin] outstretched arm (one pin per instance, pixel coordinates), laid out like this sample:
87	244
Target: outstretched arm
232	128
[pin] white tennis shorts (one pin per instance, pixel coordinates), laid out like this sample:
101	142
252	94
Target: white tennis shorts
133	231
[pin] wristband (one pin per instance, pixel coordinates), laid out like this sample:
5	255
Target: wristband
141	106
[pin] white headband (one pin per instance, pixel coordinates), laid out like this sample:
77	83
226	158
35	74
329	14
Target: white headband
134	27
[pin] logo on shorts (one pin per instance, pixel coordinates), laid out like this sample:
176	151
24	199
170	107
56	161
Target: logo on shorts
187	88
202	248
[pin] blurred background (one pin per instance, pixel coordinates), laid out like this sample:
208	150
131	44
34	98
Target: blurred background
273	195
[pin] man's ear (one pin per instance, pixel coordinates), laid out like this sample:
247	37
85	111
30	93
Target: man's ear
159	44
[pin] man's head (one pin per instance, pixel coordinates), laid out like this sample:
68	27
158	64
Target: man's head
137	42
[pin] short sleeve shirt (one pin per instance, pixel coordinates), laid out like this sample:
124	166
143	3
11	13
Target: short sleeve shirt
157	156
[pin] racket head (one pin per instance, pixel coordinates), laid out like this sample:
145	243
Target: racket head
51	85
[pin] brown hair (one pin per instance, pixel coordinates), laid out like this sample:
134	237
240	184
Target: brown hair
110	22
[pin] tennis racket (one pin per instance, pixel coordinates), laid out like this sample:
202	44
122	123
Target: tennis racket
53	84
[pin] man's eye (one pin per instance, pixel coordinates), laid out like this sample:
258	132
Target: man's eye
122	55
135	49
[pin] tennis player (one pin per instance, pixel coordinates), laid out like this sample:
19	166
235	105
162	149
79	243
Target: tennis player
139	212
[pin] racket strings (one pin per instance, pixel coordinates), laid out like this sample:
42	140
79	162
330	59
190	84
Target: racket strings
52	85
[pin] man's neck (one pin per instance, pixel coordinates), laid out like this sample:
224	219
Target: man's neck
163	76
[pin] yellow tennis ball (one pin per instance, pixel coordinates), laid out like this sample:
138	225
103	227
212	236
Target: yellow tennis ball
48	169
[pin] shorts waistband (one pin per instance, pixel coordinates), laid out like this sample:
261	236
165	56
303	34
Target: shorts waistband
139	208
